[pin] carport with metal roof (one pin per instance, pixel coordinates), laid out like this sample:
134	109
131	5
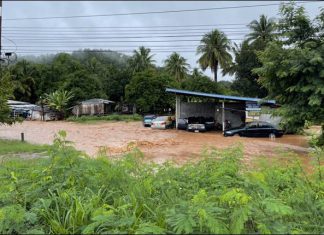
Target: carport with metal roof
218	97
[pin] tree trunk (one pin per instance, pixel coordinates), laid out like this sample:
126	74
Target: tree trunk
215	71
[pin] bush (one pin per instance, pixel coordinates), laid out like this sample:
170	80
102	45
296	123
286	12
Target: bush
71	193
112	117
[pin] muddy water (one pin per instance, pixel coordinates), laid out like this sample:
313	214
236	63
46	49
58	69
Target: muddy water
158	145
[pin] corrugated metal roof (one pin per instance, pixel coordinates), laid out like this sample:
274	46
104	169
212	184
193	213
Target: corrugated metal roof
15	102
218	96
97	101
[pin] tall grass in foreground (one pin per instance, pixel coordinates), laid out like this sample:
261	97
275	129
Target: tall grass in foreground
71	193
111	117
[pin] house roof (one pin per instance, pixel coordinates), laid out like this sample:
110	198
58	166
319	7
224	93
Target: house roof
218	96
97	101
15	102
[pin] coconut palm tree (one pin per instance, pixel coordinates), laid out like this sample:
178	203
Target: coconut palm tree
196	73
141	59
214	49
58	100
261	30
176	66
23	80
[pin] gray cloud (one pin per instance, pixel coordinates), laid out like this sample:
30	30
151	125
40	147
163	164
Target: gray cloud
18	9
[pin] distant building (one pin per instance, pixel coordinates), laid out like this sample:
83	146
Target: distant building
93	107
30	111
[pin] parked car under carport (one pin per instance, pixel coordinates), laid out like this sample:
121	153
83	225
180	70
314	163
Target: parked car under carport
163	122
147	120
196	124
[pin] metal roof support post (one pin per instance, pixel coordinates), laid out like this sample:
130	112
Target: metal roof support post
177	110
223	114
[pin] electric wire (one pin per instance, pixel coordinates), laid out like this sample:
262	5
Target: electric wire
148	13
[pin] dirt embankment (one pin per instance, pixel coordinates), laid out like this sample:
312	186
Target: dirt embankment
157	145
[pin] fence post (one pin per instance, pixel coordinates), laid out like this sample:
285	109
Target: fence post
22	137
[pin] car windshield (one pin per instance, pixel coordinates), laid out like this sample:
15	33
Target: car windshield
259	125
265	125
252	125
162	118
149	117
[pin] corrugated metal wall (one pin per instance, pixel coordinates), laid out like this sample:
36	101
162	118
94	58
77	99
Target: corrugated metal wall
90	109
214	110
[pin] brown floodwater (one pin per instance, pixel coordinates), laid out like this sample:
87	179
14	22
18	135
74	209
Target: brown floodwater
157	145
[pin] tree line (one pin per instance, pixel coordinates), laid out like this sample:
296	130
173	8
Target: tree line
280	59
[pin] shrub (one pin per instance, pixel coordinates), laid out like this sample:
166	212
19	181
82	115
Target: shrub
71	193
111	117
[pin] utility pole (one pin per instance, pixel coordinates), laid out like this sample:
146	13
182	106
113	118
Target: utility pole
0	28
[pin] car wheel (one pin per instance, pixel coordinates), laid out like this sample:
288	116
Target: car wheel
272	135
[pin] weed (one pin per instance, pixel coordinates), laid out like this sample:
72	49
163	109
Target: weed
70	193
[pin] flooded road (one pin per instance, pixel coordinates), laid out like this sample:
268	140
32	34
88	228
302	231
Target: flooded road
157	145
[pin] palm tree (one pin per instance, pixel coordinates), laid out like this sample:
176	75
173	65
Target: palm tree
214	47
176	66
23	80
141	59
196	73
58	100
261	30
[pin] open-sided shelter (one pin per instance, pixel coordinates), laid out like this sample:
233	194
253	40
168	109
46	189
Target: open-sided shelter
235	109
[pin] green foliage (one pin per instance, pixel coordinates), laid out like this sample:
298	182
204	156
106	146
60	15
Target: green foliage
71	193
58	100
88	74
176	66
12	219
23	79
147	91
294	25
112	117
262	30
246	82
141	60
214	49
6	92
203	84
293	74
16	146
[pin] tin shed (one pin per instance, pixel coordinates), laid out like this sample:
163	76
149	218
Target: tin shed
93	107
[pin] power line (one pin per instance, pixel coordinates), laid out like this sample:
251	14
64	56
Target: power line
113	34
116	46
105	37
127	27
147	13
175	40
124	30
119	51
120	32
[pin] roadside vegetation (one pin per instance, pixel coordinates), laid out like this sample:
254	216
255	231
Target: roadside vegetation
16	146
112	117
71	193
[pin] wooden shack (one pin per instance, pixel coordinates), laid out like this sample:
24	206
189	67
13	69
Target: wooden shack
93	107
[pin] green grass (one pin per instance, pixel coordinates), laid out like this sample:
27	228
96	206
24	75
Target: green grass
16	146
110	118
70	193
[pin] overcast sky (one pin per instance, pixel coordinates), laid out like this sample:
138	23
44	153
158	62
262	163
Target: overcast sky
46	36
